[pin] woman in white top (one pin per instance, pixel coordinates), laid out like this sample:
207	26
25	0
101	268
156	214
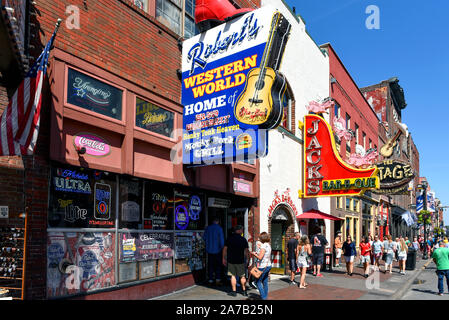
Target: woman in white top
264	257
402	255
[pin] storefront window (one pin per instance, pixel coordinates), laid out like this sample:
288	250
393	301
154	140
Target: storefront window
189	211
159	206
81	198
94	95
190	252
154	118
79	262
130	197
145	255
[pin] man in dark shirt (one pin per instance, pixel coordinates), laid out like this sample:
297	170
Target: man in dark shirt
292	246
319	242
235	256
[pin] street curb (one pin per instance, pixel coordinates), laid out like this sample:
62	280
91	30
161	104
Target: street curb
399	293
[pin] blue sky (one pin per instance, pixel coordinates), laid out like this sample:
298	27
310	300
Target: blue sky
411	44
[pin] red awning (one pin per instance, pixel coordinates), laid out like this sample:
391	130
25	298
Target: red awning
316	214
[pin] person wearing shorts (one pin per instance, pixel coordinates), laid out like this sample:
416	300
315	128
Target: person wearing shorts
304	249
389	253
292	245
349	253
377	252
318	242
365	257
235	254
402	255
337	245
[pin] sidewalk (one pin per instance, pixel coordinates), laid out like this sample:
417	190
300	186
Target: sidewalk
335	285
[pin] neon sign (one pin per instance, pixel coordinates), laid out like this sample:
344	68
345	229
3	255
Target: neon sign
325	173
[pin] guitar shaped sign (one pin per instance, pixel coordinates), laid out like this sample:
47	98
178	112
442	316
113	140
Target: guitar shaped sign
261	100
387	149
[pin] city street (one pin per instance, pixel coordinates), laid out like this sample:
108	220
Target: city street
425	286
335	285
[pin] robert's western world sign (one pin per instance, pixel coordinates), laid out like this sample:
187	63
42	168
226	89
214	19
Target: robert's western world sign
231	88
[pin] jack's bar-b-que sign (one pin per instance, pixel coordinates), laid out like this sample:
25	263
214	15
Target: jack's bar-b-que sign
325	173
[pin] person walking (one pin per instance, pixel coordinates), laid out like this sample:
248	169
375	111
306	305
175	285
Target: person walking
365	257
214	238
264	256
235	254
338	245
415	244
303	250
349	252
371	241
292	246
441	258
395	248
389	253
402	255
319	242
255	262
377	252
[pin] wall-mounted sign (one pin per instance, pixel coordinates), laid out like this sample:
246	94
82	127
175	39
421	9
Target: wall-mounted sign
284	199
230	87
394	173
92	94
325	173
240	186
154	118
95	145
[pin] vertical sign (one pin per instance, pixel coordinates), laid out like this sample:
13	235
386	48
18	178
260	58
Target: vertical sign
231	88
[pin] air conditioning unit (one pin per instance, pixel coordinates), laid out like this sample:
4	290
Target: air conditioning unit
219	203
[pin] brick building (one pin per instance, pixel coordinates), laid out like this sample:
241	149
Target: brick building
113	88
350	106
388	102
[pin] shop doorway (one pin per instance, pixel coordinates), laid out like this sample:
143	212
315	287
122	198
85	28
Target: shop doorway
280	222
237	216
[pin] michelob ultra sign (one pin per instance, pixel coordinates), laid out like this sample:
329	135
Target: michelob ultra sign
325	173
224	76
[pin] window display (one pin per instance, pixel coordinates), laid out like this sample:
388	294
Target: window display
79	262
81	198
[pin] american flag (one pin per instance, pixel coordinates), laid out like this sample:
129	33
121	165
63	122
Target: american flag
20	120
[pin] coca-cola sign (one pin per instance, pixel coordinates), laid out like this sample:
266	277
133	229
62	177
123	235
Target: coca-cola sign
94	145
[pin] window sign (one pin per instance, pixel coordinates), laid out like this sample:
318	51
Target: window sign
154	118
81	198
158	207
130	203
91	94
189	212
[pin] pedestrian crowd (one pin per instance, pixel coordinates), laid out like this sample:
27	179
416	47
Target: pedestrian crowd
307	253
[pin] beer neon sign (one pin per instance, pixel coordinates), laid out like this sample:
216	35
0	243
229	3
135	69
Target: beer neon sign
325	173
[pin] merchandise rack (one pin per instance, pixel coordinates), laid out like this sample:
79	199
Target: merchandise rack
13	236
